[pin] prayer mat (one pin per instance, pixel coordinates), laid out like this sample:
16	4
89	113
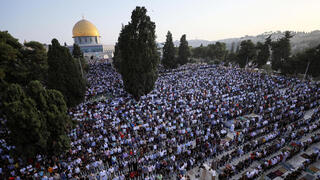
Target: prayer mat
278	178
308	177
314	169
308	170
278	173
287	166
272	175
261	161
306	156
283	170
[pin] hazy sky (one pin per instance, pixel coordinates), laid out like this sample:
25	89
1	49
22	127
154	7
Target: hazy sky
42	20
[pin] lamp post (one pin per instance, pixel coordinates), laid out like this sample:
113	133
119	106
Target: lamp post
246	63
305	74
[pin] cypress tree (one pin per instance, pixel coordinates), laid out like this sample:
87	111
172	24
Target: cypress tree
116	58
246	53
78	55
169	60
137	55
281	50
64	74
264	52
76	51
184	51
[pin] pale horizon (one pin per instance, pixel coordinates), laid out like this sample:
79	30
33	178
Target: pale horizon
210	20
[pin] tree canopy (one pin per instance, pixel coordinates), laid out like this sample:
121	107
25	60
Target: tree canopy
37	119
217	51
36	116
263	52
199	52
64	74
136	57
76	51
184	51
246	53
35	60
11	64
304	62
169	60
278	51
78	55
281	51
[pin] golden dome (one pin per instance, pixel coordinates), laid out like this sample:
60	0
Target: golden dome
84	28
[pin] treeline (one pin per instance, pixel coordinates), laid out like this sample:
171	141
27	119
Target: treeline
216	51
300	41
37	88
277	52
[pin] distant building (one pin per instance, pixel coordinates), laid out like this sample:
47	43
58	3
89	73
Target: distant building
87	36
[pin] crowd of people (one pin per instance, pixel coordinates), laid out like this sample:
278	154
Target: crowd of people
288	135
181	124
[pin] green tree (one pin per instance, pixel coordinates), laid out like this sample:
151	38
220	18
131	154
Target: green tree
217	51
176	51
309	61
221	51
313	56
78	55
22	63
210	51
8	39
247	53
232	57
25	122
76	51
54	110
195	52
35	60
264	52
11	66
184	51
199	52
37	119
232	50
169	59
116	58
137	55
281	51
64	74
238	48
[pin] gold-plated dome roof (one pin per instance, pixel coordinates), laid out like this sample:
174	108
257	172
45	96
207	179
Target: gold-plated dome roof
84	28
